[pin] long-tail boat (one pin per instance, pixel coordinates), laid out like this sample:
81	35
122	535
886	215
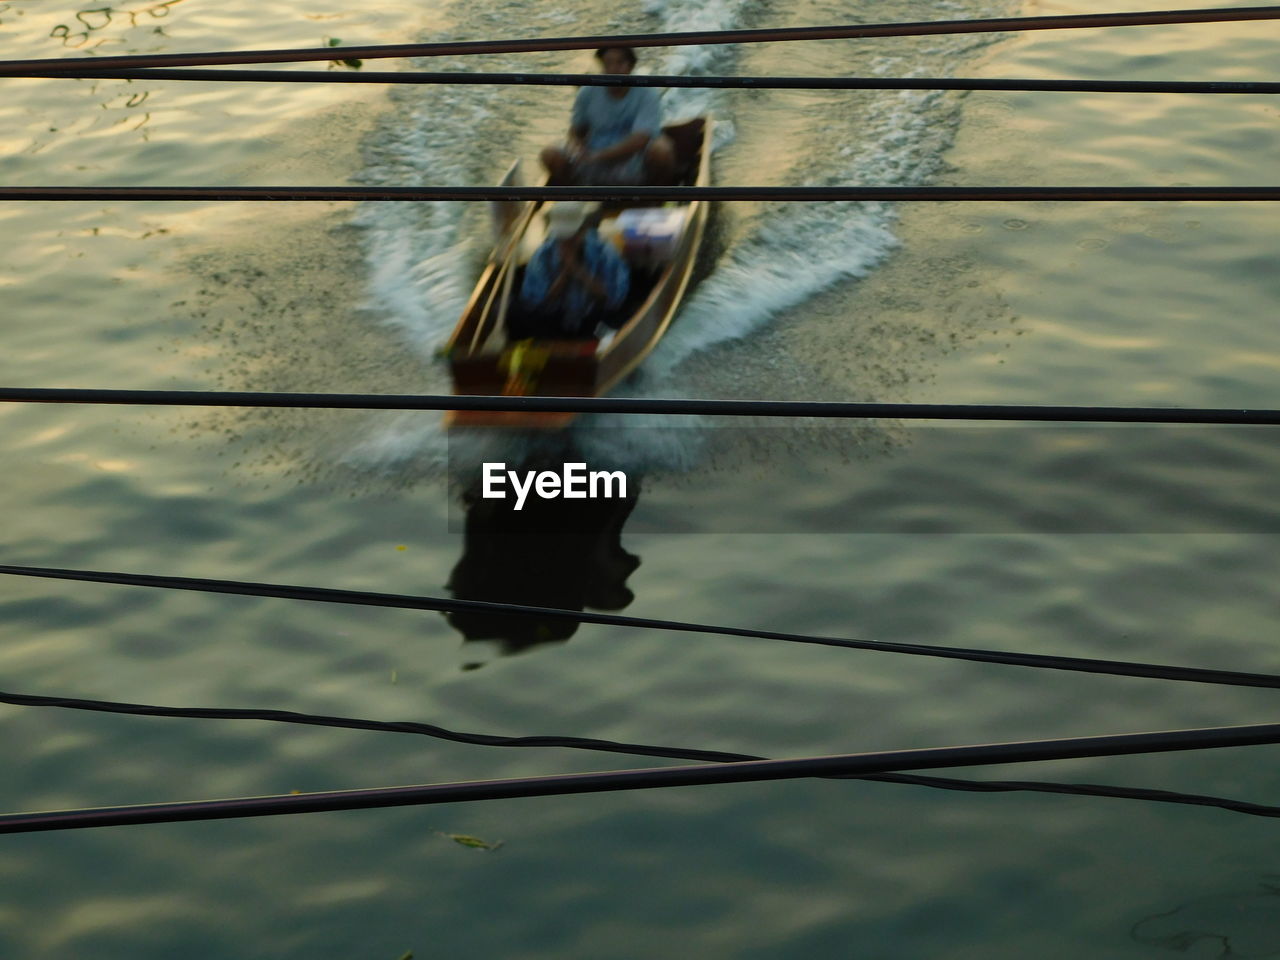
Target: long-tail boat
484	360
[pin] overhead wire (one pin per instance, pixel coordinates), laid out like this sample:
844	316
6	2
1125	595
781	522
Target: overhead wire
685	38
648	80
749	771
881	194
632	749
447	605
830	409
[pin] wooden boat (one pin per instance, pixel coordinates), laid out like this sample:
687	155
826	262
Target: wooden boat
485	361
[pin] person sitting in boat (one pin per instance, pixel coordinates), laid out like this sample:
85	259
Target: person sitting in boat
574	282
615	134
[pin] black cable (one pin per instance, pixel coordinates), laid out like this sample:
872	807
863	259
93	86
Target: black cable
792	194
633	749
362	598
643	779
653	405
356	723
641	80
1081	790
471	47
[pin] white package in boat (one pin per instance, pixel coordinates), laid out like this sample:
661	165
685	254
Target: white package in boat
650	233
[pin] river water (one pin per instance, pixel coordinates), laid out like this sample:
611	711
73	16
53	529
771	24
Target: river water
1129	543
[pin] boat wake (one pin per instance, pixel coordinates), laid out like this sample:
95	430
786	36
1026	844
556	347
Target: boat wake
423	257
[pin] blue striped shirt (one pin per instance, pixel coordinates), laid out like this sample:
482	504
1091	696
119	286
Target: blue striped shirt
576	303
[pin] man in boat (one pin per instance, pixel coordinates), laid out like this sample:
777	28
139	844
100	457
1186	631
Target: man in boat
615	134
574	282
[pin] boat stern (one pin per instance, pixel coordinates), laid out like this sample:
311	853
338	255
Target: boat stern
544	368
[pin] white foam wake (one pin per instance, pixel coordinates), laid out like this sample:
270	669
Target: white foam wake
794	251
418	262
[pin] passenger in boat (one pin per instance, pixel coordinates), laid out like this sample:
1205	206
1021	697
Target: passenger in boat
615	134
574	282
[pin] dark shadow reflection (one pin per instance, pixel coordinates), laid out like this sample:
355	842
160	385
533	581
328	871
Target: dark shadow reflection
552	553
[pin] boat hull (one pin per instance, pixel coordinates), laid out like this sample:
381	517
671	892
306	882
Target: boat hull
484	363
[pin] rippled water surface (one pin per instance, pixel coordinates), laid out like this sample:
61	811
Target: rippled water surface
1130	543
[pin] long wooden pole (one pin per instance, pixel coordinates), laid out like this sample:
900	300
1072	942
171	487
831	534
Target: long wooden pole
508	254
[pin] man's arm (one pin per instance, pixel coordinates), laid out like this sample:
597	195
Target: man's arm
605	275
595	286
620	150
646	125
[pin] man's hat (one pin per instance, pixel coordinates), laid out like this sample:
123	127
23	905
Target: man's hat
565	218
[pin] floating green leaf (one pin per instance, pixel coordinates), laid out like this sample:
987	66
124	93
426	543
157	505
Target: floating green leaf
352	63
474	842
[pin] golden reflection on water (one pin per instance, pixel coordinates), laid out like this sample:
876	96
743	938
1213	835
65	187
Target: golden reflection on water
89	22
52	113
110	465
47	435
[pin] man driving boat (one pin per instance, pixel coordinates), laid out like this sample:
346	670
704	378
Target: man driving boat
575	281
615	134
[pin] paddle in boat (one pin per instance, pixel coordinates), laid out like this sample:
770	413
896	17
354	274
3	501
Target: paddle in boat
660	244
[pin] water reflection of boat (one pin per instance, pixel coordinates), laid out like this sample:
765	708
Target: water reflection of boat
482	359
553	553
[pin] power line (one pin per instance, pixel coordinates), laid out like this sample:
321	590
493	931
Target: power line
443	605
793	194
638	80
651	405
612	781
1080	790
471	47
633	749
